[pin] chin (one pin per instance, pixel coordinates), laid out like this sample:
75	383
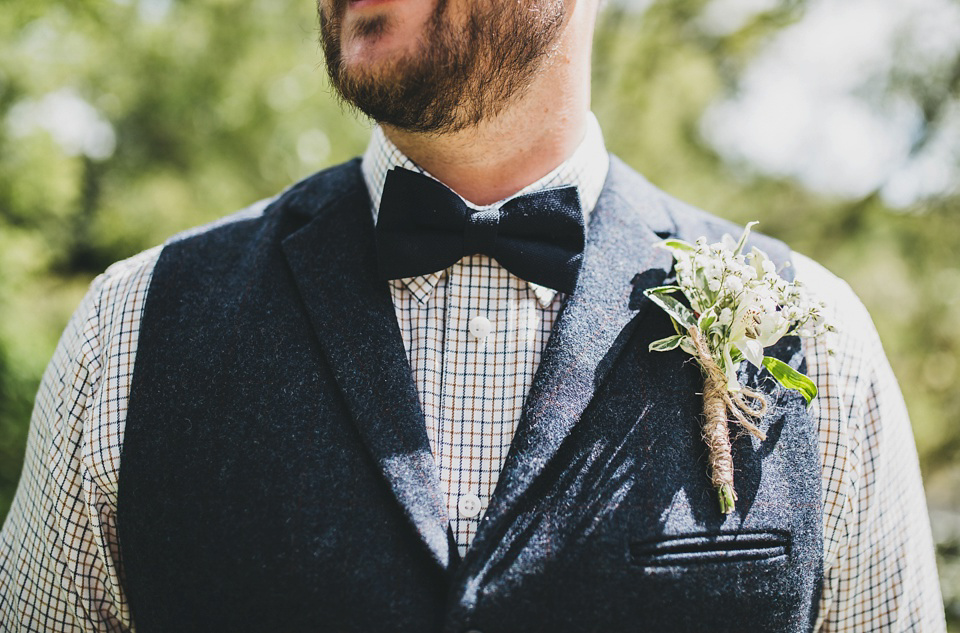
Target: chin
373	54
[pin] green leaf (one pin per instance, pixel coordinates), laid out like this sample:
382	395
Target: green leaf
706	320
661	290
790	377
678	245
666	344
679	312
743	238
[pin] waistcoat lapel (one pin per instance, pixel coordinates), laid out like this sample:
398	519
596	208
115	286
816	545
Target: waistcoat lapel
620	262
334	265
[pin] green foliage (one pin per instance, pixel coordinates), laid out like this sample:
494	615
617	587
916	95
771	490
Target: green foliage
212	107
666	344
790	377
677	311
654	76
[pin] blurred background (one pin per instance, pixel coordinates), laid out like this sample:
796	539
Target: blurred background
835	123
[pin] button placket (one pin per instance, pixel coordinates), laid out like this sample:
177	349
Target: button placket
459	394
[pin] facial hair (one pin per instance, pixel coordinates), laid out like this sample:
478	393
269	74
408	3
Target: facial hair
459	74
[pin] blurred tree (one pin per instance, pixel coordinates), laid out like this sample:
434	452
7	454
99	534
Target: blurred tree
123	122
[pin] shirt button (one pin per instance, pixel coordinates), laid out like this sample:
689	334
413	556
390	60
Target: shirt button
480	327
468	506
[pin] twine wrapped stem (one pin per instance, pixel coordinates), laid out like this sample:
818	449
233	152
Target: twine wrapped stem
719	404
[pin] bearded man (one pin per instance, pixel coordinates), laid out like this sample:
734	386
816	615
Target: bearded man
377	402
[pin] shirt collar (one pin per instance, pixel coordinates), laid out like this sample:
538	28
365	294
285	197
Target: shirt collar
586	169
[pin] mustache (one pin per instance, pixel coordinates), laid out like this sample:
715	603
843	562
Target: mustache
331	21
333	13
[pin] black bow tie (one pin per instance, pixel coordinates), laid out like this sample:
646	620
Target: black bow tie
423	227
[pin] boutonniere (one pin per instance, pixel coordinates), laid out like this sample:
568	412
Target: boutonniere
736	304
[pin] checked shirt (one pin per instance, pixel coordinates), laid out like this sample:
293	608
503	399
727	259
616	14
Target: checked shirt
473	334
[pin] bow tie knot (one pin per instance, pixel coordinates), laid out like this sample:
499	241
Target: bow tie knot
480	231
423	227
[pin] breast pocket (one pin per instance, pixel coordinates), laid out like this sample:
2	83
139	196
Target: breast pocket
705	549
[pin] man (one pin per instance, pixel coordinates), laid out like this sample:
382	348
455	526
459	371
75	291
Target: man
369	405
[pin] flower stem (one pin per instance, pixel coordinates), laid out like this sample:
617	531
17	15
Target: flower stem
726	495
716	434
718	406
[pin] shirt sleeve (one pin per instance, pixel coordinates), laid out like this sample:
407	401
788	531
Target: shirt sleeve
880	571
59	552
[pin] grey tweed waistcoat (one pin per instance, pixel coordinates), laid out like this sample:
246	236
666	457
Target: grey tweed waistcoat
276	473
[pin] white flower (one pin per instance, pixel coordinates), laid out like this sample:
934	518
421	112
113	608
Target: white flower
739	300
756	324
733	284
740	306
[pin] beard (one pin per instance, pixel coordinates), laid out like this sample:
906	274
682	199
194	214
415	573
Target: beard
458	75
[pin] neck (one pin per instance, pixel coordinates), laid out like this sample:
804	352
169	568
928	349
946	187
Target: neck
530	137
